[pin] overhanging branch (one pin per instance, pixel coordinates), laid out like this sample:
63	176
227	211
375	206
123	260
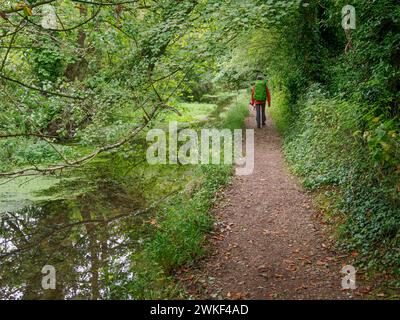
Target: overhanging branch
2	76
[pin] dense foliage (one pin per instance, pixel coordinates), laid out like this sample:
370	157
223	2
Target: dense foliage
338	102
94	77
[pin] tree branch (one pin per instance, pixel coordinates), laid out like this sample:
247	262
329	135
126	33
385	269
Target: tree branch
52	169
19	27
16	135
2	76
69	28
20	8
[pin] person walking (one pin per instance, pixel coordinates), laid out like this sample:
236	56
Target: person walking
259	97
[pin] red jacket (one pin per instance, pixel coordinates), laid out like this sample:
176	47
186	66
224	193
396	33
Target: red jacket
253	102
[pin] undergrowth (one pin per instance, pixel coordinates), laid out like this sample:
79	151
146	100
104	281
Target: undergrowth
328	146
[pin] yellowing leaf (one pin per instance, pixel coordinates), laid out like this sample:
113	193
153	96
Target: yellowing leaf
27	11
385	146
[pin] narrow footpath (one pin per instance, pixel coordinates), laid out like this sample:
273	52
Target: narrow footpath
267	242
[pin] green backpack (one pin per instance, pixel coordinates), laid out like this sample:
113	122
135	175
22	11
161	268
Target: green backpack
260	92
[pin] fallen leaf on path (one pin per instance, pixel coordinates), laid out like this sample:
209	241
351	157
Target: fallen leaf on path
218	238
302	287
288	261
365	290
292	268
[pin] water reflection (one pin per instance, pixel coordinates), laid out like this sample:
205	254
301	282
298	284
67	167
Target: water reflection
87	238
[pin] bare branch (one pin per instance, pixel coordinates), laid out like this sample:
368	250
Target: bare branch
94	15
10	45
20	8
38	89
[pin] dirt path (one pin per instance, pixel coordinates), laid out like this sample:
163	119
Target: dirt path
267	243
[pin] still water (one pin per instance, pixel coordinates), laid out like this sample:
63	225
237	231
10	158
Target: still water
86	226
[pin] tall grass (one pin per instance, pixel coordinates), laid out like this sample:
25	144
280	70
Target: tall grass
237	112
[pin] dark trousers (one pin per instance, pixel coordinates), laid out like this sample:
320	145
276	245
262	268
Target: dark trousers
260	114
